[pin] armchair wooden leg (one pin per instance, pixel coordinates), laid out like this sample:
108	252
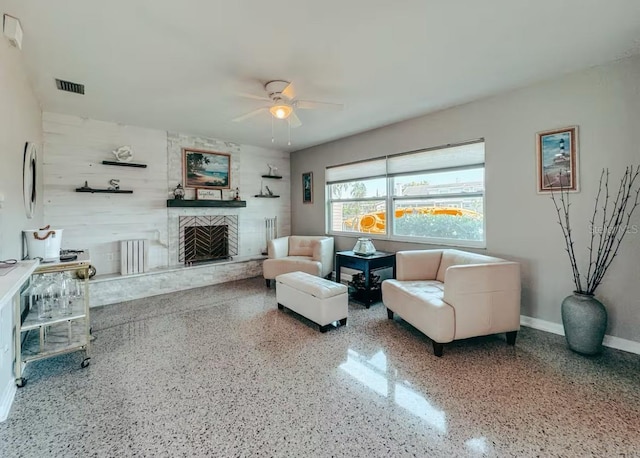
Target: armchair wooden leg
268	283
438	348
390	314
511	337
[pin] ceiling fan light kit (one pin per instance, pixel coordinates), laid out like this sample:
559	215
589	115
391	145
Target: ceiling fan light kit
284	104
281	111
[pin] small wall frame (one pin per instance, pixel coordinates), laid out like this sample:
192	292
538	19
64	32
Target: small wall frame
307	188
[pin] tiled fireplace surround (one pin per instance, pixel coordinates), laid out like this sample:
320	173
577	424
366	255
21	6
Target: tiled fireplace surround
116	288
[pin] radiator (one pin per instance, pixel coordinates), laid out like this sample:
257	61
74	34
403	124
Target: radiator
271	230
134	256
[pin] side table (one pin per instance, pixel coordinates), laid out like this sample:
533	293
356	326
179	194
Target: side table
366	264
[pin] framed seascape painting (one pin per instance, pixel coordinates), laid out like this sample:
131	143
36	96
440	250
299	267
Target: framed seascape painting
206	169
557	159
307	188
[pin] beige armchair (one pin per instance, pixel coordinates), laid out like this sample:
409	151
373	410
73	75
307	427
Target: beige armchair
452	294
311	254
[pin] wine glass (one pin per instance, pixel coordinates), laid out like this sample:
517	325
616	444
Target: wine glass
77	289
45	297
65	293
34	291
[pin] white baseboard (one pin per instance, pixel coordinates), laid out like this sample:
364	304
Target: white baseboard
542	325
6	400
556	328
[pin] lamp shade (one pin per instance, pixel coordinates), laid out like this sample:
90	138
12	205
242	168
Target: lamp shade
281	111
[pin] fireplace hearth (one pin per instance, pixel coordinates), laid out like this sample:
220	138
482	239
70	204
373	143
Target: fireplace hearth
207	238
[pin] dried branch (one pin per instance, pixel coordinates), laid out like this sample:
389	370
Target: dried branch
617	232
613	227
593	219
563	220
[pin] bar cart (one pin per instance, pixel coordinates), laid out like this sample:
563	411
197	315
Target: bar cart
40	337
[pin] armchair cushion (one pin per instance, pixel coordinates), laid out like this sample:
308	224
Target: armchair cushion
417	264
301	246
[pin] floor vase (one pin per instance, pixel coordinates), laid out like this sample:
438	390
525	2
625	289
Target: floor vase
585	321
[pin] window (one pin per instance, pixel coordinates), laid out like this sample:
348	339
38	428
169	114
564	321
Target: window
433	196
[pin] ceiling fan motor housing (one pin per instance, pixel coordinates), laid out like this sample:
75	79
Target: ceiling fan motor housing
276	88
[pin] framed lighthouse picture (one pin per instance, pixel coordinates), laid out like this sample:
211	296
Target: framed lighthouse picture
557	160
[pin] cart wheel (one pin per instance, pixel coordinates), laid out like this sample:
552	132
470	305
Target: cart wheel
85	362
20	382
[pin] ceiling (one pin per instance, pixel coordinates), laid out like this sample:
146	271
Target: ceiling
180	65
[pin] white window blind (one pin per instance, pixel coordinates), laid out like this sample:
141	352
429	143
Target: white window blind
356	170
418	161
443	158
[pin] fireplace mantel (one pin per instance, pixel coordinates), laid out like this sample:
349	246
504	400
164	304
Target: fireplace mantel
205	203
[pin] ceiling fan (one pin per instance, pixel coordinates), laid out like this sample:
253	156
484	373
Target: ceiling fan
284	103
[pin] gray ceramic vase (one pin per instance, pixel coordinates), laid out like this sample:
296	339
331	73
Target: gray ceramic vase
585	321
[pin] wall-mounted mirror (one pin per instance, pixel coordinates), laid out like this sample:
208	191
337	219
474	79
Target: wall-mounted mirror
29	173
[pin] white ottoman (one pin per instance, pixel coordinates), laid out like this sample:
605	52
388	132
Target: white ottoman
321	301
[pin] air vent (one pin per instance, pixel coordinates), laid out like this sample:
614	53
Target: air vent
70	87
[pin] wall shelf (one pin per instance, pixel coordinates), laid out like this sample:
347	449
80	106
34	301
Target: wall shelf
205	203
109	191
125	164
273	177
264	196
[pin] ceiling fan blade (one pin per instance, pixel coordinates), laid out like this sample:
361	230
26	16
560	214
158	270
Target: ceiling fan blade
294	121
289	92
312	105
251	114
252	96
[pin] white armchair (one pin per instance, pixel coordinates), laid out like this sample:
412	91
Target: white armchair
452	294
311	254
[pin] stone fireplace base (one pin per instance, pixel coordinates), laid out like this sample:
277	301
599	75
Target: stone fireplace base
116	288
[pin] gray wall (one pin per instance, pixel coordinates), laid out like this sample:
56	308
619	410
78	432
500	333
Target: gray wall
521	224
20	122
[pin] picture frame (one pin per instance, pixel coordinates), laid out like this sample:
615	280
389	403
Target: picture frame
307	188
557	160
206	169
208	194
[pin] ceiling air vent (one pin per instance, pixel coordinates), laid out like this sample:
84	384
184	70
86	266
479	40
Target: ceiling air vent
70	87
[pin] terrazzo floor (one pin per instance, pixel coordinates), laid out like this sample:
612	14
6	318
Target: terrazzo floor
220	371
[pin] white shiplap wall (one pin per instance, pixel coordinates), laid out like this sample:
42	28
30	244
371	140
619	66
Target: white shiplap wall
74	149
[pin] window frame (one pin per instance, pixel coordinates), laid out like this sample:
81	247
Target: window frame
390	200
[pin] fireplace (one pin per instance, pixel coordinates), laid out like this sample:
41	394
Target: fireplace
207	238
